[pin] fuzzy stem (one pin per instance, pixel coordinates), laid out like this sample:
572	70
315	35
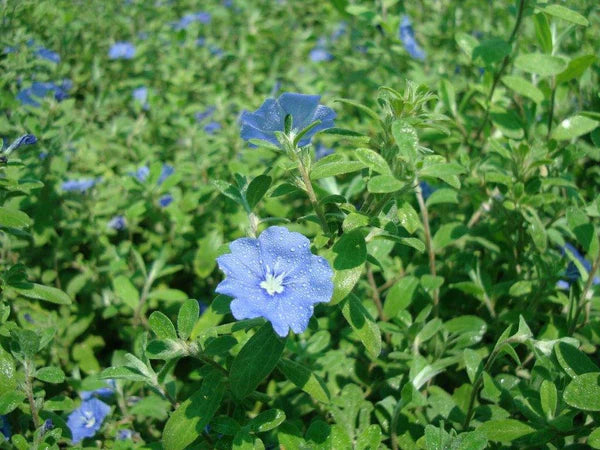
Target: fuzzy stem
312	196
29	393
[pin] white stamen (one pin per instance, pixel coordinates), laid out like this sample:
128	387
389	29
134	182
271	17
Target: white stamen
272	284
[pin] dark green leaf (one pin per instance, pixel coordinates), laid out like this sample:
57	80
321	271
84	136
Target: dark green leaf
362	324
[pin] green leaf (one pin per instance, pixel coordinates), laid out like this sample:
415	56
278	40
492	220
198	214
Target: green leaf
415	243
383	184
523	87
45	293
188	421
407	140
257	189
162	326
373	160
9	401
305	379
443	195
343	283
548	398
266	421
8	380
28	342
50	375
362	324
126	291
448	233
13	218
519	288
363	108
255	361
466	42
473	363
409	218
505	430
583	392
538	63
327	168
122	373
228	190
187	317
564	13
573	361
593	439
351	251
370	438
490	52
576	68
164	349
448	95
446	172
542	31
573	127
400	296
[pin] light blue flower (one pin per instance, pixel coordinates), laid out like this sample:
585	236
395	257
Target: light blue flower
140	95
5	427
47	54
86	420
270	117
212	127
141	173
106	391
165	172
426	189
80	185
320	54
188	19
26	139
275	277
165	200
48	425
121	50
407	36
117	223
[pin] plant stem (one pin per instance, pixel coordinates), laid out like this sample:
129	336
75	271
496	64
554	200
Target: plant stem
503	67
551	112
312	196
588	285
376	298
29	393
429	244
138	316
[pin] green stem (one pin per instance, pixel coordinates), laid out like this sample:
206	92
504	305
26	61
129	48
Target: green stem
312	196
428	244
29	393
503	67
551	112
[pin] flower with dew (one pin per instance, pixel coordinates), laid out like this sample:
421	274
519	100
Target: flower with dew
572	273
117	223
86	420
276	277
122	50
80	185
165	200
407	36
270	117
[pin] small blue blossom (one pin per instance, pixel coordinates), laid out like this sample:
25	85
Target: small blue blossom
5	427
38	89
270	117
43	155
28	318
121	50
140	95
8	49
26	139
80	185
275	277
86	420
141	174
165	200
124	434
117	223
407	36
572	273
165	172
214	50
188	19
322	151
48	425
320	54
208	112
426	189
340	30
48	55
212	127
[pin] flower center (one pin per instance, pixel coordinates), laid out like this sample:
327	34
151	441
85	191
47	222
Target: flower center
272	283
90	420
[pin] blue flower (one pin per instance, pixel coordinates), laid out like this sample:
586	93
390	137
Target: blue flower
208	112
319	54
407	36
321	151
41	89
5	427
426	189
48	54
121	50
86	420
124	434
141	174
275	277
117	223
140	95
26	139
165	172
270	117
80	185
572	273
212	127
188	19
200	42
165	200
48	425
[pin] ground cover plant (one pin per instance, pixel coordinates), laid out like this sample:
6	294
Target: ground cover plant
299	225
